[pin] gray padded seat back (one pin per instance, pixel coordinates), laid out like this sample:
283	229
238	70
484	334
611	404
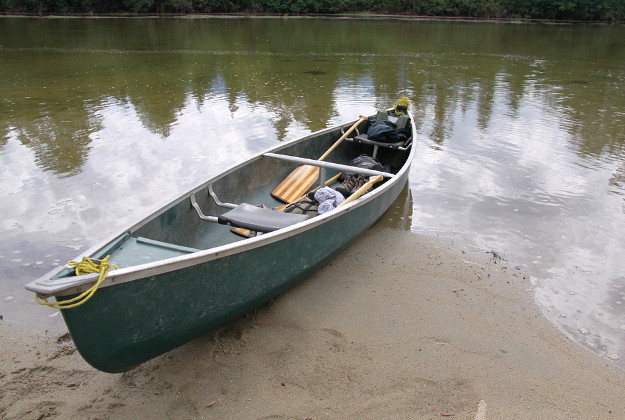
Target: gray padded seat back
400	121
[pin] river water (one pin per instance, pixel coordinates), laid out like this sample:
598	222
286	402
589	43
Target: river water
521	148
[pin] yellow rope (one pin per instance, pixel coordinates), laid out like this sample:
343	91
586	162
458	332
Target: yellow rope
85	266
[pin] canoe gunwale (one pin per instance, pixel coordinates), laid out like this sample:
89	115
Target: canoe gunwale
47	285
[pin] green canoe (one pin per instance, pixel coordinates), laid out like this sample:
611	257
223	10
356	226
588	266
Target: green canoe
182	270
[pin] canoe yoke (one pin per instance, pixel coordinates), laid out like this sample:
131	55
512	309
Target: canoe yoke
248	216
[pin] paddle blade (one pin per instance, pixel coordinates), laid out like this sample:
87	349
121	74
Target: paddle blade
243	232
296	184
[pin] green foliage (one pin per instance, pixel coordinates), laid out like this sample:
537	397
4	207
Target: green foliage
584	10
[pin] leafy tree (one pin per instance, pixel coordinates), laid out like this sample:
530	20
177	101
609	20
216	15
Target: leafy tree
584	10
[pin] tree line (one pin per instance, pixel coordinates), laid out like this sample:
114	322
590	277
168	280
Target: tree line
568	10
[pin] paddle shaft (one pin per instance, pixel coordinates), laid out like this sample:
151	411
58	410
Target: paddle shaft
343	137
356	194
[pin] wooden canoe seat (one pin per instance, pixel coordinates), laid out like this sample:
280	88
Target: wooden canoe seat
259	219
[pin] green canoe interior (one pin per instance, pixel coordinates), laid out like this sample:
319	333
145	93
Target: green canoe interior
178	230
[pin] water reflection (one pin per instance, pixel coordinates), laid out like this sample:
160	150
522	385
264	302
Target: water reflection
521	143
527	184
399	215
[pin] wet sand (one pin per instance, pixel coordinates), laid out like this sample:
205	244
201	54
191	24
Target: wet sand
399	326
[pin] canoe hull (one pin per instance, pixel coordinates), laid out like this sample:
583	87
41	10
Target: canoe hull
179	275
159	313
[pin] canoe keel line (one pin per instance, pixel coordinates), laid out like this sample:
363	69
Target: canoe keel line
182	272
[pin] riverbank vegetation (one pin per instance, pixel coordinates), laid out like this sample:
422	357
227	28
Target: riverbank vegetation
568	10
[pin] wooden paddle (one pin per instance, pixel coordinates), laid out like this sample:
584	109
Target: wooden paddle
328	182
302	178
360	191
248	234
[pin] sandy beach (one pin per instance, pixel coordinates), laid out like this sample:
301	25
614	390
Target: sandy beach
398	326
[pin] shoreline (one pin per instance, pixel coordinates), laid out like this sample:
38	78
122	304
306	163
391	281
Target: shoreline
399	325
347	16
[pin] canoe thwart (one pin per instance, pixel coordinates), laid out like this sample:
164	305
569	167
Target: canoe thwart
259	219
329	165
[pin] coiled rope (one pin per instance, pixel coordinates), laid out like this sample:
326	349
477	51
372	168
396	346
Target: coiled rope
86	266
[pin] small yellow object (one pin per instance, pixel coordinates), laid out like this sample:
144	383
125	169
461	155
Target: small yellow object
85	266
403	101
